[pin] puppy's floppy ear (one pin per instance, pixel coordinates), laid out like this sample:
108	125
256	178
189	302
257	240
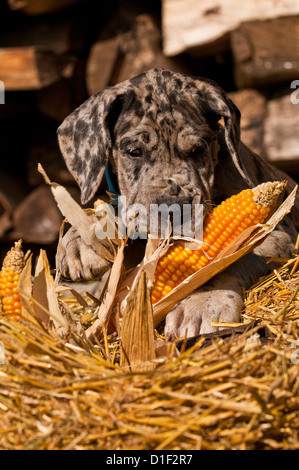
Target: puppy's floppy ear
220	104
85	138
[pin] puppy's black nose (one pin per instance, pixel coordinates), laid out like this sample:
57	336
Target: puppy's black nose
167	198
174	189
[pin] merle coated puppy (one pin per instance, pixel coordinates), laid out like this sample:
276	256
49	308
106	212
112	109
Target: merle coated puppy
160	134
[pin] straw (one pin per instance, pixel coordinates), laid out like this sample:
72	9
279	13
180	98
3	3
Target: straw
234	392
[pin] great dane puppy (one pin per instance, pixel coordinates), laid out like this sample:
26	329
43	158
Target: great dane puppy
160	134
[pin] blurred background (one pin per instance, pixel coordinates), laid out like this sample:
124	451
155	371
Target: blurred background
55	53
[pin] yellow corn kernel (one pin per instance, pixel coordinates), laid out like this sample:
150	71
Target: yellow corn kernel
9	277
221	227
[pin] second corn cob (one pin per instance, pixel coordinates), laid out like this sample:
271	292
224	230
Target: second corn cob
226	221
9	277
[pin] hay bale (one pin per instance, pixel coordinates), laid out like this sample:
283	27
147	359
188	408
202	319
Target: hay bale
233	393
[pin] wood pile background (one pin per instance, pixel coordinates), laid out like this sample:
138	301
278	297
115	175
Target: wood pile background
54	54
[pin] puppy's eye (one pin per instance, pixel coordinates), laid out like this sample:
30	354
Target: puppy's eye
196	150
135	153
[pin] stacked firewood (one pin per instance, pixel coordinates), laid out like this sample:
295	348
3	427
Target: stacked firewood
55	53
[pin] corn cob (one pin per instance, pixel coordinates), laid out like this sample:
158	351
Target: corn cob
226	221
9	277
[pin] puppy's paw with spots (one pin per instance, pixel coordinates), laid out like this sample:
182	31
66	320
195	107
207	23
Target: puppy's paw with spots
194	314
77	261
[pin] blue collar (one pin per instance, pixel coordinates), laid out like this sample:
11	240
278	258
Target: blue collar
112	183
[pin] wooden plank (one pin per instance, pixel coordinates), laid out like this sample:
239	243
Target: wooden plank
190	24
127	54
141	50
281	137
266	52
13	190
252	105
5	214
27	68
40	7
37	218
47	153
18	69
101	63
59	99
54	34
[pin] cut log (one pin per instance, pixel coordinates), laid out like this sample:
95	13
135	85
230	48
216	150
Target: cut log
141	50
266	52
58	100
128	54
50	34
13	187
5	214
28	68
188	24
281	138
102	61
49	155
105	57
13	191
39	7
252	105
37	218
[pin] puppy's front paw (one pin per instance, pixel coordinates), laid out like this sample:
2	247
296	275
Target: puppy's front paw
77	261
198	310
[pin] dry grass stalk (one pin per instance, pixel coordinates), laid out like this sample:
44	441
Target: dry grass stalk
44	299
104	310
276	296
232	394
235	393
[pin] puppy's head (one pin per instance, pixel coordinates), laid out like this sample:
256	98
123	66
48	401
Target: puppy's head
159	132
